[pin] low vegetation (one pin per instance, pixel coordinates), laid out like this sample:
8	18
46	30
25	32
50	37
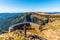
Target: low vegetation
50	30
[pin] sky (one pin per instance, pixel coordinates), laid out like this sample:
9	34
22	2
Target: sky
29	6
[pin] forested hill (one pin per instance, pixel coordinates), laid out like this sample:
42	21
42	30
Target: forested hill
7	19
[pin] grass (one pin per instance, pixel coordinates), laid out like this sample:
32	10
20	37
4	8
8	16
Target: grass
51	31
12	36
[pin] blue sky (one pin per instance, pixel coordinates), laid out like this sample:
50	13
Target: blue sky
29	5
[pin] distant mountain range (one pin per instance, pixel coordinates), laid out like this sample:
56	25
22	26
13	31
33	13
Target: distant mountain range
53	12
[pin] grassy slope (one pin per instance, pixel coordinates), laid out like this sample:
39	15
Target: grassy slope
51	32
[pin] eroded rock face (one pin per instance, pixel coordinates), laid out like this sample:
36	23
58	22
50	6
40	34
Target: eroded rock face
19	26
36	37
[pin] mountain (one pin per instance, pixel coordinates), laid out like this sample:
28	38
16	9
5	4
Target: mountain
53	12
49	26
8	19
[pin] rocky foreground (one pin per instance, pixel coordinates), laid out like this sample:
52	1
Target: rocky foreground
51	31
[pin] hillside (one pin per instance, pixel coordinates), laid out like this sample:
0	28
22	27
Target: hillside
32	30
51	31
7	20
48	29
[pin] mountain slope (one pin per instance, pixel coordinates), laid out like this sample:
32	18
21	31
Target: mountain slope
51	31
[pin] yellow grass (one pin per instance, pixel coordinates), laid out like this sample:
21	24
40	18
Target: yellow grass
51	31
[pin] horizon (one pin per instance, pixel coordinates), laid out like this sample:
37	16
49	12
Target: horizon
29	11
18	6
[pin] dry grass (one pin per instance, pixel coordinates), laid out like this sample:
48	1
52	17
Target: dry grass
51	31
12	36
